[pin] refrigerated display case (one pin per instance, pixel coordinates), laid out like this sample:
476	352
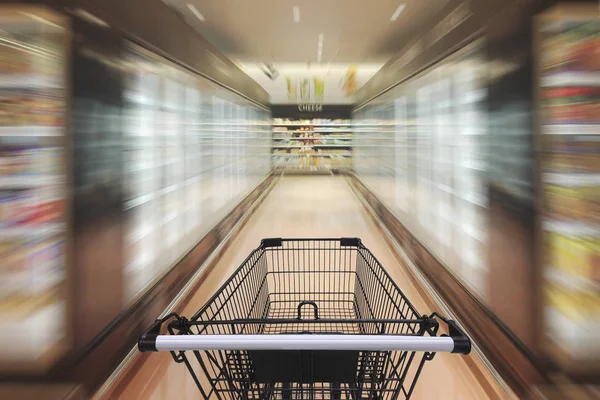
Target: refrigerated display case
567	46
33	179
193	152
421	149
317	145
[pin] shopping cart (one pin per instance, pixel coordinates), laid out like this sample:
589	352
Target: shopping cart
306	319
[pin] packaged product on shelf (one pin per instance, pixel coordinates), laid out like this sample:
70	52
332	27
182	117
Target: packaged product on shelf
575	48
573	105
13	61
573	255
48	205
13	269
572	153
45	266
578	203
47	161
15	207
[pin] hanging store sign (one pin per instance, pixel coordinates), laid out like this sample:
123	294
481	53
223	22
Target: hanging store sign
310	107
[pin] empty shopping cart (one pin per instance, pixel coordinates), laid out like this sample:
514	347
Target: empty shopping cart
306	319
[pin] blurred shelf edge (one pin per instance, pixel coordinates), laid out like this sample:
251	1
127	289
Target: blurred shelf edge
32	230
32	131
313	155
29	81
571	179
29	181
568	279
571	129
571	227
570	78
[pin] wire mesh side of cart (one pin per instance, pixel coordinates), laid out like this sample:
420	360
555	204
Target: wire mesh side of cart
288	286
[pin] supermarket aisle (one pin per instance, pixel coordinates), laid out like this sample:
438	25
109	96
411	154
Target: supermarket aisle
316	206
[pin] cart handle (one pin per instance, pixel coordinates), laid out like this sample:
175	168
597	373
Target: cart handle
456	342
446	344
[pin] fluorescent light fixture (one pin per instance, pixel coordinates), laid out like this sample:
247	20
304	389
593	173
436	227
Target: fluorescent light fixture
91	17
398	11
42	20
320	47
296	14
195	11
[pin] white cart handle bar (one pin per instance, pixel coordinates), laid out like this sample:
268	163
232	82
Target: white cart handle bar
456	342
445	344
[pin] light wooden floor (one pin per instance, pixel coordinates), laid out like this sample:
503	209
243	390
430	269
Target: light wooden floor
318	206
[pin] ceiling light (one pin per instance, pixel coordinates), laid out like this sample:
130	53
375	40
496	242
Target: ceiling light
195	11
399	10
90	17
296	14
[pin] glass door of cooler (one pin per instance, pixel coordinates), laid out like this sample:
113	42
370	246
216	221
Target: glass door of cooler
388	154
243	141
443	165
171	192
470	160
424	134
207	156
142	172
218	184
193	165
401	156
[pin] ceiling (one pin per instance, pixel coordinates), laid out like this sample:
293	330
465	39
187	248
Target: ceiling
354	31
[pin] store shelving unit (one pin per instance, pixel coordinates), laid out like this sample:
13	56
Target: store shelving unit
318	146
33	220
421	149
569	140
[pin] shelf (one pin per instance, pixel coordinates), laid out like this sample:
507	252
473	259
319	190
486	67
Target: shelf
31	231
571	179
314	138
569	280
314	130
319	125
28	181
313	145
571	227
28	81
571	129
313	155
566	79
31	131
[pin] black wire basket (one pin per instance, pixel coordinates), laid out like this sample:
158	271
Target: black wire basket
306	319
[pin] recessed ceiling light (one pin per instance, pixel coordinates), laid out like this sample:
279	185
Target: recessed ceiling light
195	11
296	14
398	11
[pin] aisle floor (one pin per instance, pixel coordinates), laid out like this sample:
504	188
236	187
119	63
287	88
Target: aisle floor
312	206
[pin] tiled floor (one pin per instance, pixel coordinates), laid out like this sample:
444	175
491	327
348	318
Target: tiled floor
318	206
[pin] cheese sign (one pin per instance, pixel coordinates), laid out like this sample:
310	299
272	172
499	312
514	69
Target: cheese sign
310	107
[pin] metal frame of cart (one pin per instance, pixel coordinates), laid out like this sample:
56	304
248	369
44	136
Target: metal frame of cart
306	318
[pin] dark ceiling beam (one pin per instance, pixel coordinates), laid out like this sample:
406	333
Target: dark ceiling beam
156	26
